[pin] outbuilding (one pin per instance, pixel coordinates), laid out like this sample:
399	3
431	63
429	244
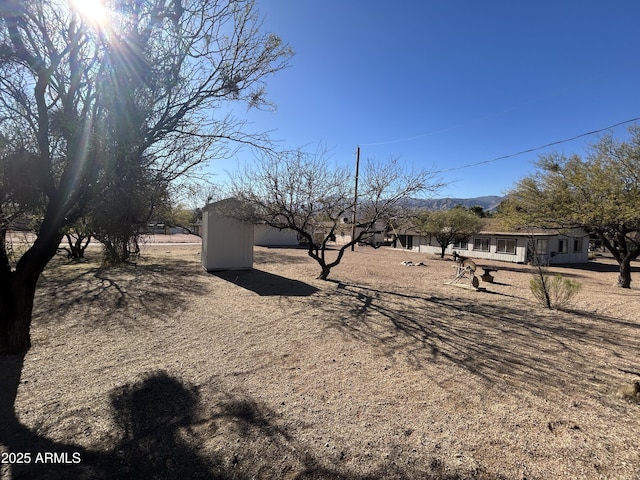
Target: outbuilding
227	236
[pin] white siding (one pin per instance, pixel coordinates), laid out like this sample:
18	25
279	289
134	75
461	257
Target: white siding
227	243
267	236
428	244
570	255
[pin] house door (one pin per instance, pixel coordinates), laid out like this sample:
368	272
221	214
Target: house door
409	242
538	251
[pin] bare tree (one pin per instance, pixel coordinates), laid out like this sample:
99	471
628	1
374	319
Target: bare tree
141	91
303	192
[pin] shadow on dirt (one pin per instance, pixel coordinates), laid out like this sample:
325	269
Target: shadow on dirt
607	265
281	256
150	416
497	341
165	432
266	284
598	266
28	454
133	292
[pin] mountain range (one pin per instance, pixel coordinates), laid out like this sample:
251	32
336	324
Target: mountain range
488	203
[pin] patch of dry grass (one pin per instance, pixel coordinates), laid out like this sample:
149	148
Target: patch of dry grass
164	371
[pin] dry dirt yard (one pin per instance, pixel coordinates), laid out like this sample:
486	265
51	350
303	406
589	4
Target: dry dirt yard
161	370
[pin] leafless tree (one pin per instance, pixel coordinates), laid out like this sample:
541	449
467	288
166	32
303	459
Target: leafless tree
137	93
303	192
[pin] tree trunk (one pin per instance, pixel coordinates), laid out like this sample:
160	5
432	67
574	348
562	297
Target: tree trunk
324	274
16	306
77	245
18	290
624	278
624	252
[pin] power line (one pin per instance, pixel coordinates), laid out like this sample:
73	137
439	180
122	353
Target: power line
472	121
558	142
407	139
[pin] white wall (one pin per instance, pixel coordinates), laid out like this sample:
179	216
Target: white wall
227	243
267	236
571	255
519	256
428	244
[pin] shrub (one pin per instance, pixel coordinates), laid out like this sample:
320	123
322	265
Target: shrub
554	292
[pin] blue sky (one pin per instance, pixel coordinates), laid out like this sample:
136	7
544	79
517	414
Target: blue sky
445	84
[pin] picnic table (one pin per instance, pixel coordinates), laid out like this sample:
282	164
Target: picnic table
486	274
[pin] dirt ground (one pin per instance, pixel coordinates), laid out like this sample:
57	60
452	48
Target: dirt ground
161	370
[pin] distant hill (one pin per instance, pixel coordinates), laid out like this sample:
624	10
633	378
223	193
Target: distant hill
488	203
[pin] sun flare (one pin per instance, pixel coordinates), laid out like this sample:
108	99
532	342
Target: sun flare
91	10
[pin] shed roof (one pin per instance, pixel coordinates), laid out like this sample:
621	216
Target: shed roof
495	226
231	207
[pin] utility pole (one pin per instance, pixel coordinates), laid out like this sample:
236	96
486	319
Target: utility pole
355	200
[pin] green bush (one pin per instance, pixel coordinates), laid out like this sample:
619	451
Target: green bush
554	292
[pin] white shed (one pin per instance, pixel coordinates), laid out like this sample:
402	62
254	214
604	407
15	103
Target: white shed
227	239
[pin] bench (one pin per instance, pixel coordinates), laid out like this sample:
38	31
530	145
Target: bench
486	274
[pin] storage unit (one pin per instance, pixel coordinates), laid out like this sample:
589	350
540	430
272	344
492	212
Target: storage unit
227	236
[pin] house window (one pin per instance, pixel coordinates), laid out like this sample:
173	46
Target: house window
542	246
461	244
563	245
481	244
506	245
409	245
577	245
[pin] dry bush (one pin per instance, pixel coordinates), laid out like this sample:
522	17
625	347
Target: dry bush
553	292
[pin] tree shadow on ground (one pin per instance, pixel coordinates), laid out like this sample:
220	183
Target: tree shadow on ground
266	284
595	266
154	415
166	432
132	291
497	341
281	256
34	456
149	414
